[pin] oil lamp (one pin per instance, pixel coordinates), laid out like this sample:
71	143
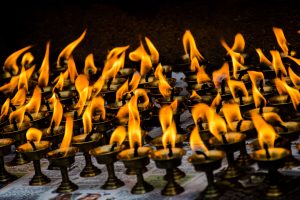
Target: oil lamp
85	142
64	157
207	161
269	157
107	155
169	157
5	149
228	142
35	150
136	157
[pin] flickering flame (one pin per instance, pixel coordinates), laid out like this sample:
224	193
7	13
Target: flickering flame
19	98
10	64
216	124
294	78
116	52
60	83
5	108
83	96
68	134
163	85
9	87
27	59
258	97
277	63
297	61
196	142
67	51
140	54
123	112
17	116
272	117
239	43
168	126
97	104
153	51
174	105
280	86
232	113
262	58
221	74
33	106
283	87
112	66
199	112
122	91
190	47
256	77
23	81
282	42
87	120
44	70
34	134
142	93
195	95
89	65
158	71
202	77
118	136
234	85
72	70
134	83
266	133
169	136
237	65
134	129
217	100
57	111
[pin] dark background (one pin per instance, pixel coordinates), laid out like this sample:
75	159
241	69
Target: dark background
116	23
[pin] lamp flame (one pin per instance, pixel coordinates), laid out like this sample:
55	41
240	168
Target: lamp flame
262	58
216	124
196	142
190	47
134	129
44	70
277	63
282	42
68	134
221	74
89	65
118	136
34	134
232	113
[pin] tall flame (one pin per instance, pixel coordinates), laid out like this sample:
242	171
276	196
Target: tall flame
153	51
122	91
266	133
97	104
34	134
163	85
68	133
142	93
27	59
140	54
258	97
33	106
87	120
5	108
134	83
294	78
168	126
10	64
239	43
199	112
23	81
202	77
134	129
19	98
272	117
196	142
57	111
116	52
256	77
216	101
277	63
60	83
89	65
67	51
44	70
221	74
118	136
233	85
232	113
17	116
216	124
72	70
190	47
282	42
262	58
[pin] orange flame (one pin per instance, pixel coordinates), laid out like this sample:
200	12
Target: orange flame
196	142
217	100
277	63
60	83
163	85
297	61
67	51
272	117
258	97
282	42
190	47
239	43
89	65
87	120
68	134
266	133
158	71
97	104
134	129
262	58
57	111
232	113
5	108
216	124
123	112
121	91
35	102
10	87
44	70
17	116
112	66
118	136
233	85
195	95
19	98
27	59
10	64
201	74
153	51
115	52
72	70
221	74
34	134
23	81
294	78
199	112
168	125
134	83
140	54
142	93
83	96
256	77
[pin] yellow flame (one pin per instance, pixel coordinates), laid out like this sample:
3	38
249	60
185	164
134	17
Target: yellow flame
90	65
60	83
97	104
57	111
121	91
163	85
266	133
5	108
33	106
134	83
256	77
134	129
10	87
112	66
140	54
68	133
34	134
272	117
282	42
258	97
216	124
232	113
190	47
67	51
17	116
72	70
44	70
27	59
199	112
118	136
221	74
202	77
83	96
262	58
297	61
217	100
239	43
87	120
294	94
19	98
277	63
116	52
196	142
195	95
153	51
158	71
294	78
142	93
233	85
23	81
10	64
168	125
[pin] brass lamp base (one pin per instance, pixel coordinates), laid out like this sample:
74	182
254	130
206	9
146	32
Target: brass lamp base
112	181
19	159
178	174
131	171
39	180
4	175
